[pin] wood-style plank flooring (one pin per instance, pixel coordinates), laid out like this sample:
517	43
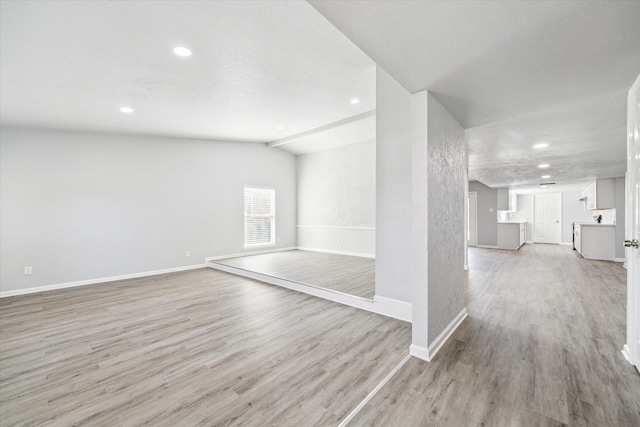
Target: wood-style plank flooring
541	347
347	274
200	347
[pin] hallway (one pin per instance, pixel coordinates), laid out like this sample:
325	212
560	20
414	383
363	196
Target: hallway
541	346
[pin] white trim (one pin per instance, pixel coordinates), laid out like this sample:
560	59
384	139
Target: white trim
419	352
466	267
437	344
625	353
486	246
402	306
336	227
97	281
394	311
249	253
566	243
529	242
331	251
620	260
373	392
429	353
291	138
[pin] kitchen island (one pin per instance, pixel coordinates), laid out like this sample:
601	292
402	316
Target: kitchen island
595	241
511	235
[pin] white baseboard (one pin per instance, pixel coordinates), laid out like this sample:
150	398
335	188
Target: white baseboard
97	281
566	243
529	242
403	308
419	352
429	353
249	253
330	251
487	246
466	267
394	310
620	260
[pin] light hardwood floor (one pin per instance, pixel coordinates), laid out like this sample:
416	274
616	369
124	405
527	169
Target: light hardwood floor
541	347
347	274
197	347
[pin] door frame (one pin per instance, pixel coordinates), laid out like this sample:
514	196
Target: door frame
473	194
533	225
631	349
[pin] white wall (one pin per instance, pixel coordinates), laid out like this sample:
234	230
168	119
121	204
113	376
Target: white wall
81	206
393	188
524	213
573	211
336	192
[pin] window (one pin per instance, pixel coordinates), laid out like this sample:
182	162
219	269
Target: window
259	216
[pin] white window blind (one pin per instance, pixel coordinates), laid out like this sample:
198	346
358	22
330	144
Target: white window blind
259	216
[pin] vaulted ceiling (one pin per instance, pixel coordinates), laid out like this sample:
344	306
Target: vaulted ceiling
514	74
259	72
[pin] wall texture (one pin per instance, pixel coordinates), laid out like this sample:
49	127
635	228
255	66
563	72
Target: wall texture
81	206
487	214
393	188
336	199
446	174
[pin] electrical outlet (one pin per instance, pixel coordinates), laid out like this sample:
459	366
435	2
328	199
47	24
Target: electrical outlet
28	270
188	253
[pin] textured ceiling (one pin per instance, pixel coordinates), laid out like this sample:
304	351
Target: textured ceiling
256	66
513	74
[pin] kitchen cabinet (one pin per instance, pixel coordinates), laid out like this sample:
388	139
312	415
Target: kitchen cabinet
595	241
507	200
599	194
511	235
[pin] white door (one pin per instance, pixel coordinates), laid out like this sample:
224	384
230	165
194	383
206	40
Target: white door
472	226
547	218
632	229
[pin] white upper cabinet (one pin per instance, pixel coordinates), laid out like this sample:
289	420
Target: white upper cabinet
599	194
507	201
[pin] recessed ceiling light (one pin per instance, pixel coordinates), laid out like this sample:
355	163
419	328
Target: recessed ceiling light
126	110
280	127
541	145
545	176
354	101
543	165
182	51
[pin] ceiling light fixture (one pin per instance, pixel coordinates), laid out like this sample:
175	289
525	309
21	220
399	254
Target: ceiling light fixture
182	51
545	176
126	110
354	101
541	145
543	165
280	127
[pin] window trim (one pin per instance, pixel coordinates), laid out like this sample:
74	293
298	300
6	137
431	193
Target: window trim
273	241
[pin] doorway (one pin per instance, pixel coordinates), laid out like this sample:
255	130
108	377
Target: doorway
547	218
472	218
